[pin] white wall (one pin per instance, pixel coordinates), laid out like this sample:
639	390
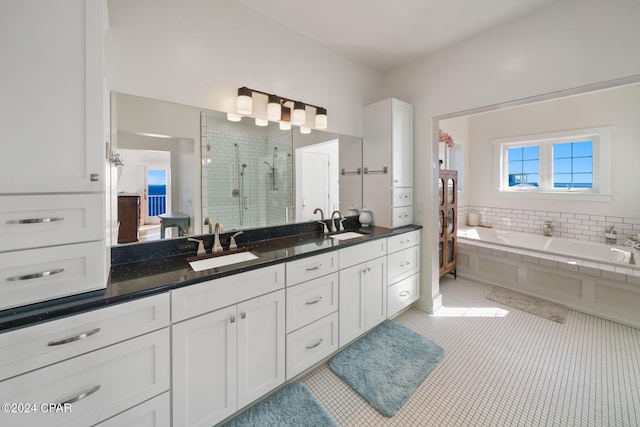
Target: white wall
619	107
199	52
566	45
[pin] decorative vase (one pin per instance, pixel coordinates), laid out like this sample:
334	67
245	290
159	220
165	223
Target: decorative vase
366	217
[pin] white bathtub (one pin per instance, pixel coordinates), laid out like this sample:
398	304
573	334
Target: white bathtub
590	251
585	276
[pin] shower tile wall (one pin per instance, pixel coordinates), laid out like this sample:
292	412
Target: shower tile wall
256	203
579	226
278	152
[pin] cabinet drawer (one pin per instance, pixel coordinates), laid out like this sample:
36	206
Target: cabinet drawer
311	344
153	413
309	268
403	293
100	384
48	220
207	296
402	197
41	274
401	217
36	346
403	240
363	252
403	264
311	301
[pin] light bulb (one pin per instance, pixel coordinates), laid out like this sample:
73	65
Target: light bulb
245	101
299	114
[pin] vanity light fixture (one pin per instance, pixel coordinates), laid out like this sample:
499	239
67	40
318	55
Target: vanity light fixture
245	100
274	108
283	110
285	122
321	118
299	113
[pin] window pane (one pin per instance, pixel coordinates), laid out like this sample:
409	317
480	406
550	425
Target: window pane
515	167
561	151
530	153
514	154
530	166
581	149
583	180
582	164
562	165
573	165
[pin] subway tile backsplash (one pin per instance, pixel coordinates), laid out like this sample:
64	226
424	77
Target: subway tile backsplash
579	226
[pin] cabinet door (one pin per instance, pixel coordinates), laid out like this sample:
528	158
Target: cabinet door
52	90
363	298
402	144
204	368
261	346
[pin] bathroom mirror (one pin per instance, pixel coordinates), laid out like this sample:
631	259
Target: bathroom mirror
183	164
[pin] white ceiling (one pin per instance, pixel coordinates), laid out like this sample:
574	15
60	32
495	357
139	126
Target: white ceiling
385	34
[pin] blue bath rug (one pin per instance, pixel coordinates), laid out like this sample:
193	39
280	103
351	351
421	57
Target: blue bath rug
293	405
386	366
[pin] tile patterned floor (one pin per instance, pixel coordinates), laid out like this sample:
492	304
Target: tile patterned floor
504	367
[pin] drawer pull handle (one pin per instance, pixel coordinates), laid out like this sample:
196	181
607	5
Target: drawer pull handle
315	344
405	241
403	216
74	338
35	275
243	315
315	301
232	319
404	196
79	396
317	267
404	293
406	264
34	220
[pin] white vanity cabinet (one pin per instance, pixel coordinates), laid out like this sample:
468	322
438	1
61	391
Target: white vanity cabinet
312	311
52	82
363	289
52	168
387	159
100	364
403	272
228	347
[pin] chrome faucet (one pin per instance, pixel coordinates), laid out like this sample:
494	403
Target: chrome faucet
333	223
207	221
321	212
217	247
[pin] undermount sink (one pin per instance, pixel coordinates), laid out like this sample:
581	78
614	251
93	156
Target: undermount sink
347	235
222	260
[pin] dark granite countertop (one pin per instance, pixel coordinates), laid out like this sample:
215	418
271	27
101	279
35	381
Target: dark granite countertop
144	270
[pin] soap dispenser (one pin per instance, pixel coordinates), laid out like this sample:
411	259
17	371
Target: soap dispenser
610	235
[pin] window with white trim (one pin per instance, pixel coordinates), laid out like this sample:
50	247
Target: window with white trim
570	161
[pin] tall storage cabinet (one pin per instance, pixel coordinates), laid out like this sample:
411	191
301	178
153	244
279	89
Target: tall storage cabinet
448	216
388	162
52	168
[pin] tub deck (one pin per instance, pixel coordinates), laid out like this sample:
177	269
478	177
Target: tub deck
532	264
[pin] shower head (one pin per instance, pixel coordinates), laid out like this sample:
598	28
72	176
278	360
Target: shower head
244	165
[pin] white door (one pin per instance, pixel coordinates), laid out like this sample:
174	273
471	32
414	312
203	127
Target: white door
315	184
261	346
204	352
375	289
156	193
351	300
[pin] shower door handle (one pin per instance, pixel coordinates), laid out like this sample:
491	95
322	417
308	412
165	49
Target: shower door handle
245	202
